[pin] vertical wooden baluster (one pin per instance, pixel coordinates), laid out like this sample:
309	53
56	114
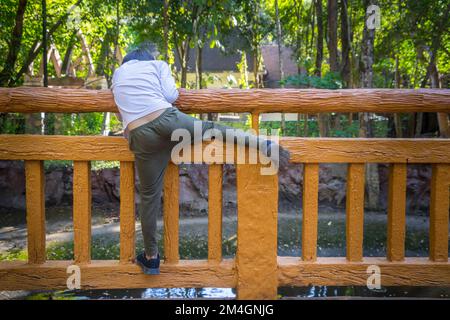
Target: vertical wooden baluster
310	211
82	211
215	213
396	212
127	214
35	201
256	259
440	182
255	121
355	211
171	214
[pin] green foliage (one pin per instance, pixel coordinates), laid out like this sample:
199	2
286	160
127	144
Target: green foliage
330	80
413	33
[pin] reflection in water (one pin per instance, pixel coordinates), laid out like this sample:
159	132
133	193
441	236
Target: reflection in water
230	293
222	293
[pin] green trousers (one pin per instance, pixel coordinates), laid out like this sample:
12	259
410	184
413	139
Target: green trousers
151	144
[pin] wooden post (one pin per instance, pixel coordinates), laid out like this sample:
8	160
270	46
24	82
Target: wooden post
256	261
396	212
355	211
35	199
82	211
215	212
440	182
127	214
171	214
310	211
255	121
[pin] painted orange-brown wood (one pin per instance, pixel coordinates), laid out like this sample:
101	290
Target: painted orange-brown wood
396	212
171	214
355	211
255	121
18	275
82	211
303	150
310	211
215	179
25	99
256	257
439	211
35	201
362	150
83	148
15	275
127	214
339	272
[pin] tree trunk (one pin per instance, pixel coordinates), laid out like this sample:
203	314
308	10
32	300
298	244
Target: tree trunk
444	130
14	46
346	45
319	52
182	50
397	116
199	68
367	59
279	41
104	53
299	10
332	35
166	29
36	47
305	127
280	60
66	68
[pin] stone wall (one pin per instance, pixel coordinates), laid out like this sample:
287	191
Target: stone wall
194	187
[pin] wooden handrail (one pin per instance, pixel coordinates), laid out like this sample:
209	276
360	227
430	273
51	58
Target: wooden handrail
303	150
257	271
27	100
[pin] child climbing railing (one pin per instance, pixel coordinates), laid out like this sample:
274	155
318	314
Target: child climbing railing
257	271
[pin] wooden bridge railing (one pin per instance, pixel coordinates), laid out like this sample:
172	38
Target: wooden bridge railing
257	271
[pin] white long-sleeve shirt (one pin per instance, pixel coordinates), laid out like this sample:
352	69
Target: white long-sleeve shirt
142	87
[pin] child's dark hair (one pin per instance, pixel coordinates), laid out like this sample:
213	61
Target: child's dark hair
141	54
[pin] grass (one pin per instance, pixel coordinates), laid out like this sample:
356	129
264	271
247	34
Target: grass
104	248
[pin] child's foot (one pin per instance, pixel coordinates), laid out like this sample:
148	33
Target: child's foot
149	266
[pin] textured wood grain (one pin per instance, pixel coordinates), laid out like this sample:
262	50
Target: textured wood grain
355	211
303	150
35	201
35	147
439	211
113	274
25	99
256	257
310	211
361	150
215	180
127	213
171	214
20	275
338	272
396	212
82	203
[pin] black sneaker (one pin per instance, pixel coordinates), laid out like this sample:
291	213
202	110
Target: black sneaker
149	266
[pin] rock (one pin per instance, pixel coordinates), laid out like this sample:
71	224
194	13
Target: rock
54	187
194	186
